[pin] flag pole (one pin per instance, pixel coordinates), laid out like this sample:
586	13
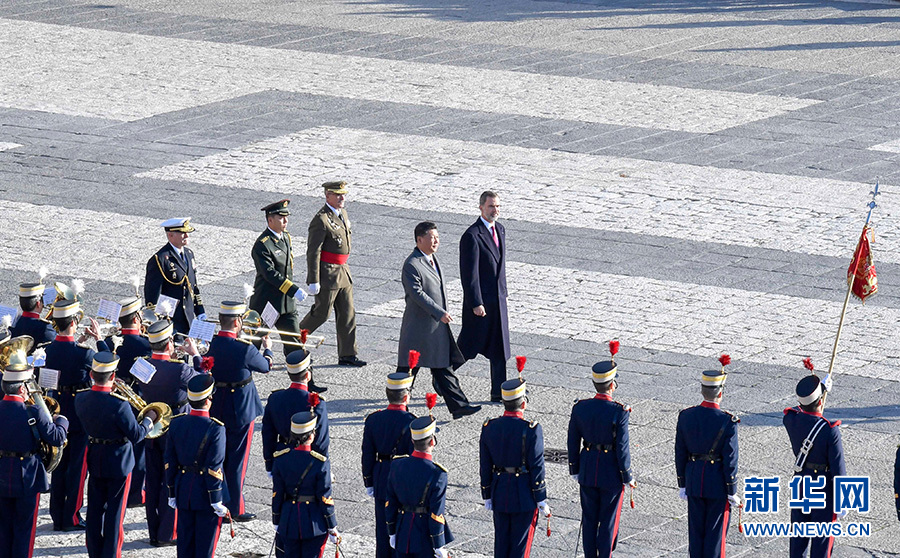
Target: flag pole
871	205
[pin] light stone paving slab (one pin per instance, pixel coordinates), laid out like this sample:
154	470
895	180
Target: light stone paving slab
673	316
6	146
890	146
763	210
127	77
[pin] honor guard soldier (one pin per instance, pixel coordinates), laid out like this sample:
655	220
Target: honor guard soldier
600	459
328	274
302	506
706	463
30	322
111	427
385	435
816	443
237	404
172	272
417	486
22	473
73	361
169	385
195	453
512	473
133	345
285	403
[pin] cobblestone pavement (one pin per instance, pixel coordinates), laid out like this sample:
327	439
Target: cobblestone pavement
689	177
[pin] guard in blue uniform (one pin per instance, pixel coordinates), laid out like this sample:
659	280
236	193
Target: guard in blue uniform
111	428
512	473
600	461
30	322
195	454
805	425
169	385
285	403
386	435
22	473
172	272
74	364
897	481
237	404
417	486
302	506
706	463
134	344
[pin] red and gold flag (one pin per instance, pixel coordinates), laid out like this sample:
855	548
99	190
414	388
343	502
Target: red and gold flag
861	273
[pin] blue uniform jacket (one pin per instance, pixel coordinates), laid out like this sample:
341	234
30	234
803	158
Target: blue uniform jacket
195	452
511	442
385	435
169	384
31	324
74	364
302	506
167	274
826	457
25	476
133	345
276	422
235	361
414	508
598	445
706	430
109	417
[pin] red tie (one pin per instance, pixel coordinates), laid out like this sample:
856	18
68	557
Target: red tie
494	235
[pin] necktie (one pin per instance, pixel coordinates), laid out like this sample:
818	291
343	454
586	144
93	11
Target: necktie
494	235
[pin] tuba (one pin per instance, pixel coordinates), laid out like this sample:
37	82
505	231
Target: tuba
47	406
163	411
14	350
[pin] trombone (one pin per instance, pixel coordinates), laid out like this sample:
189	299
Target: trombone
253	325
307	346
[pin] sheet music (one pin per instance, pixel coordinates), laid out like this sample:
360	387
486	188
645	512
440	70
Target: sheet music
49	378
202	330
166	305
143	370
269	315
109	310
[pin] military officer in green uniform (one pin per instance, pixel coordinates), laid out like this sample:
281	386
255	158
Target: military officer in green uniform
328	274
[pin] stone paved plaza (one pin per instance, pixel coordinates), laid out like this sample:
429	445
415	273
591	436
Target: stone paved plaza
689	177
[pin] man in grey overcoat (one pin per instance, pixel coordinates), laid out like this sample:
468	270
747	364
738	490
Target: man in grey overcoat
426	322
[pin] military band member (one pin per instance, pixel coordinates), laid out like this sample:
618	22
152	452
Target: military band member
30	322
285	403
22	473
169	385
302	506
237	404
706	463
172	272
386	435
897	481
134	344
74	364
111	428
328	273
195	454
600	460
511	455
417	487
806	426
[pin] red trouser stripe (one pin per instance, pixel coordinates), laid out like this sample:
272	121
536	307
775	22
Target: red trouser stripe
79	498
216	537
37	505
531	534
615	533
244	469
725	519
124	505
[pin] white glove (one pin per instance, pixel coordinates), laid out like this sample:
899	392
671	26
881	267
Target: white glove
269	473
172	503
632	483
202	317
220	510
313	288
734	500
488	504
147	424
300	295
682	493
370	491
574	477
393	541
441	553
827	382
544	507
333	536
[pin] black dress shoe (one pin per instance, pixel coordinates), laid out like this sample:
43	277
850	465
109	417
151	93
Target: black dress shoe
245	517
318	389
79	527
466	411
351	361
160	544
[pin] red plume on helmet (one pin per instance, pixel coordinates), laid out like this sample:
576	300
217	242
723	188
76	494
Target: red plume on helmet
314	399
304	335
520	364
725	360
430	402
808	364
613	349
413	360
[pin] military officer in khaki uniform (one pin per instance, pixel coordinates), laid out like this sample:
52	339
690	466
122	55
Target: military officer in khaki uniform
328	274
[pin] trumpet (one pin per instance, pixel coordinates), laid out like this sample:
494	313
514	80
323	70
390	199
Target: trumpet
63	292
163	411
253	325
283	342
181	354
106	329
